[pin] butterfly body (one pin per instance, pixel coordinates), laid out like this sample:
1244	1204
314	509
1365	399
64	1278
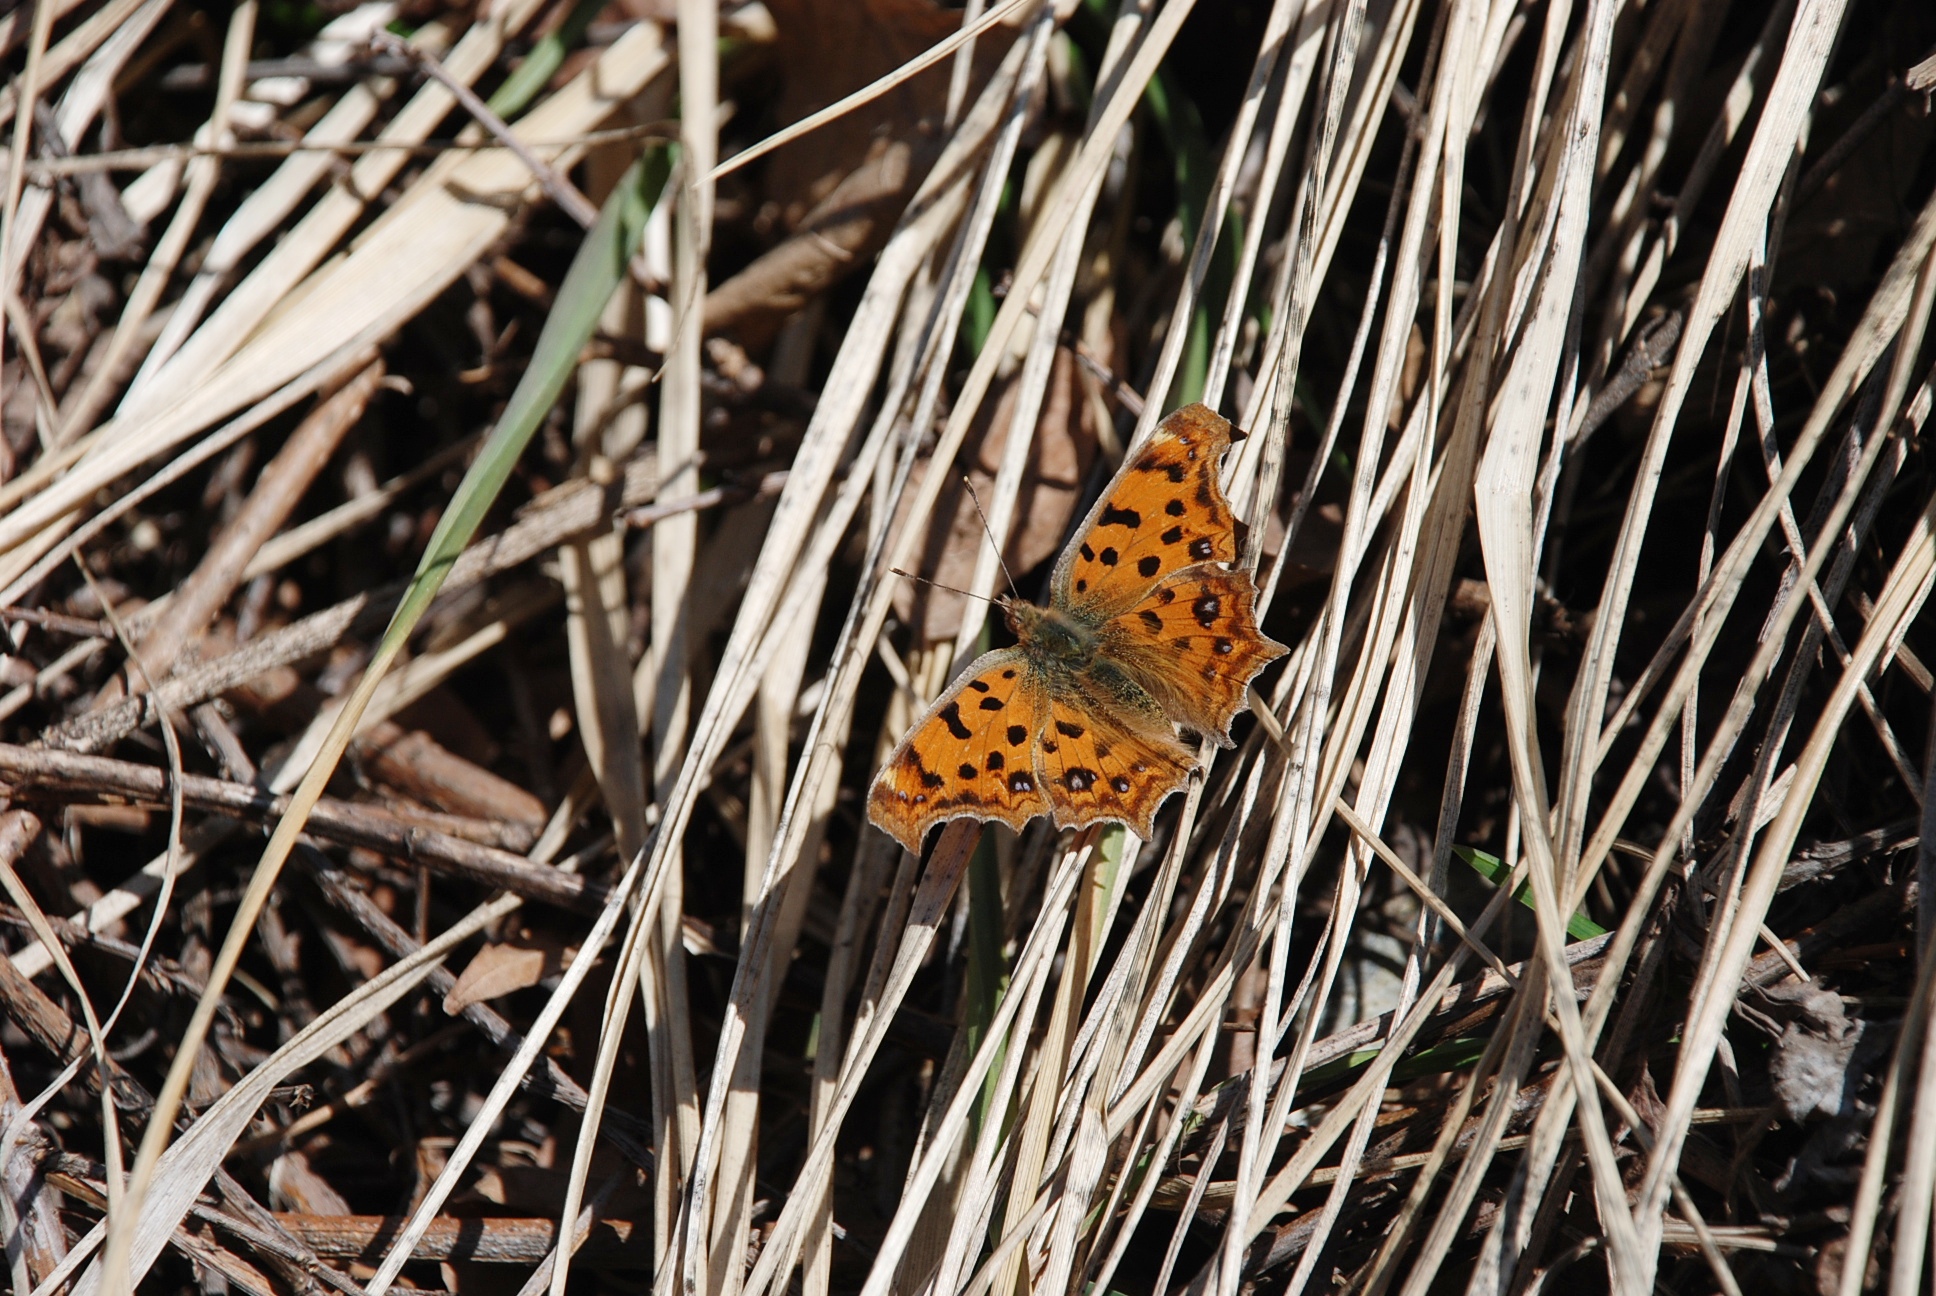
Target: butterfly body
1147	630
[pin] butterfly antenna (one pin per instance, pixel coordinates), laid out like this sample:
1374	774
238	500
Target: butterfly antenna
990	532
938	585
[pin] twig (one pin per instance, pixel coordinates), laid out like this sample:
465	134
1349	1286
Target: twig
277	489
28	768
80	627
612	1242
573	203
141	159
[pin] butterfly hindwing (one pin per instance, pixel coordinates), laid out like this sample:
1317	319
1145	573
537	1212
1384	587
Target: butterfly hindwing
971	755
1096	769
1163	511
1193	644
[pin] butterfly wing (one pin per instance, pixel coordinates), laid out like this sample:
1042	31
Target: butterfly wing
1193	644
1097	769
1162	512
972	755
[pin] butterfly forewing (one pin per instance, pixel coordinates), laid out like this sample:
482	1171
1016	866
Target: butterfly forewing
1193	644
972	754
1163	511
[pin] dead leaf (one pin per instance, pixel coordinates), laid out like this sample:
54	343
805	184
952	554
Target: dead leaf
1058	465
1809	1070
830	48
839	190
295	1185
502	967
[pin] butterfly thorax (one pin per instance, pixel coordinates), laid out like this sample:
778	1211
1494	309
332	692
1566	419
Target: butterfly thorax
1049	635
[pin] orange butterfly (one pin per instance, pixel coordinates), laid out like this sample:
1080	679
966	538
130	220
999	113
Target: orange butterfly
1147	629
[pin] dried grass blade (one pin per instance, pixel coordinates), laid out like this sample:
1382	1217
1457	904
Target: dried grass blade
198	1154
409	255
303	248
1504	493
928	907
203	174
738	1050
913	67
485	1120
595	271
1902	596
1804	62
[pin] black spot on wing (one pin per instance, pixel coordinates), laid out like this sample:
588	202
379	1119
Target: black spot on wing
1204	609
1108	557
1202	549
1173	536
967	770
1174	508
1153	621
1147	567
1079	780
1122	517
929	779
993	703
995	761
1020	781
1017	735
1120	783
1088	554
1223	647
980	686
1069	729
950	715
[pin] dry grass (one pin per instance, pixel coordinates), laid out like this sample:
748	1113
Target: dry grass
504	518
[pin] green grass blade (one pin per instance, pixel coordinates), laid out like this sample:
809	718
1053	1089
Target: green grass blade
544	60
1494	870
594	275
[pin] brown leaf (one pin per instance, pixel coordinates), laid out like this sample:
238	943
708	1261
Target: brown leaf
830	48
501	967
295	1185
840	189
1058	464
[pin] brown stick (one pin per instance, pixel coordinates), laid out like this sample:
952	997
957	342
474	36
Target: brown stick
278	489
417	765
557	515
503	1241
547	1078
50	1027
32	769
292	643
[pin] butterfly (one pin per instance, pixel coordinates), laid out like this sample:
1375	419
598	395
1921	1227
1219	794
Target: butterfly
1148	629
